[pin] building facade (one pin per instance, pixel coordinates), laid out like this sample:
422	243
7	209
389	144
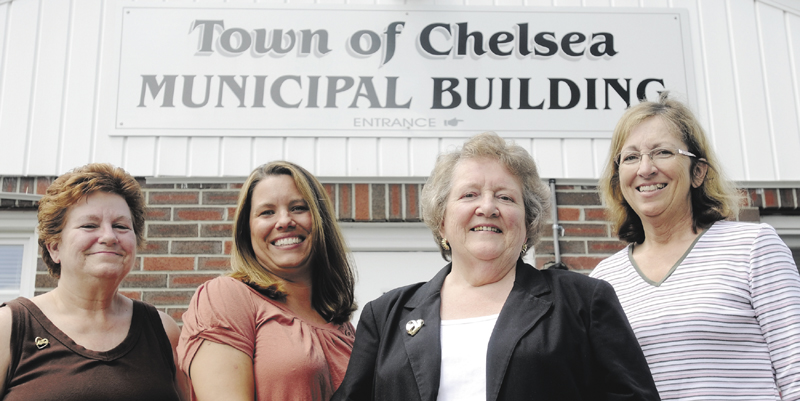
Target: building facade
62	60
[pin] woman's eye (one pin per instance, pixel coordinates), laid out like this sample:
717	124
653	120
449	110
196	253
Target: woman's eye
121	227
266	213
89	226
300	209
506	198
470	195
662	153
630	157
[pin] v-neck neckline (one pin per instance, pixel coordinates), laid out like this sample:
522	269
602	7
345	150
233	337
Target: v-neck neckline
671	270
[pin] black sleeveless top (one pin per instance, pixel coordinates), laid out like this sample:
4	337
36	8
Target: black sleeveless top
48	365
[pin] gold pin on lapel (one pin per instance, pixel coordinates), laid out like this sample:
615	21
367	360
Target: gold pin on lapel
413	326
41	342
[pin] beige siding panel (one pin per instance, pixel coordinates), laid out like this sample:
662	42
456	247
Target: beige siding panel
655	3
171	156
547	153
793	34
567	3
301	151
625	3
48	87
266	150
105	148
747	54
363	157
578	158
332	157
601	149
539	3
19	66
204	156
700	109
77	131
596	3
393	158
781	104
140	156
236	156
423	153
723	110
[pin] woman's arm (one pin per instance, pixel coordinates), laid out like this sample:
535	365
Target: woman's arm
358	381
221	372
775	289
5	347
174	333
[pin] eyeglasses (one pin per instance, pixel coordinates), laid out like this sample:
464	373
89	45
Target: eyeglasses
633	158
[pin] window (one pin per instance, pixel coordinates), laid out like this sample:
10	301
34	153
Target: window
18	243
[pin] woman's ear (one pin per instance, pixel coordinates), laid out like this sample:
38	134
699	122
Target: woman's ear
699	173
52	249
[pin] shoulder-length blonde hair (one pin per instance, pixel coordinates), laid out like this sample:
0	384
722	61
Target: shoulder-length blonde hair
332	274
715	199
519	163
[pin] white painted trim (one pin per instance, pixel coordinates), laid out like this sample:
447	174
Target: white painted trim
19	227
388	237
20	196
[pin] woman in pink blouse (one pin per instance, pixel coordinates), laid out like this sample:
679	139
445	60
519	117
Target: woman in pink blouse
277	327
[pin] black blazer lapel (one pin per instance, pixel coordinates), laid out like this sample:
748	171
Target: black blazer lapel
424	348
521	311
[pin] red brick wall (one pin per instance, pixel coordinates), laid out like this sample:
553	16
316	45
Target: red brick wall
188	229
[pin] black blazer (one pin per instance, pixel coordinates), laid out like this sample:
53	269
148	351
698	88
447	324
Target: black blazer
560	336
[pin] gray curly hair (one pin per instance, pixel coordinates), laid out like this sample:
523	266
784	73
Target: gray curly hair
516	159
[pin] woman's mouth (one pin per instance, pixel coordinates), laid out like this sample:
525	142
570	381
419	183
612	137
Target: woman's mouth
486	228
651	188
288	241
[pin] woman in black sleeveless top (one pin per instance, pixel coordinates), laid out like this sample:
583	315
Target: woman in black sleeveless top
83	340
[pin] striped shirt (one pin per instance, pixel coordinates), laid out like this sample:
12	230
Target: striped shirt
725	322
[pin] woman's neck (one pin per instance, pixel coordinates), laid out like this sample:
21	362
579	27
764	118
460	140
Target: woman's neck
477	290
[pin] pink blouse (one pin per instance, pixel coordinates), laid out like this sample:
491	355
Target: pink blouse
292	359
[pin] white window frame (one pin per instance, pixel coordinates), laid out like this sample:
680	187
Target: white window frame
19	228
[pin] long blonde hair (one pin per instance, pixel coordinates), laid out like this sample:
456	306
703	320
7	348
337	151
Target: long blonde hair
333	278
715	199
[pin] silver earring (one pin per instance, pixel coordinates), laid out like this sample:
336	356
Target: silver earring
445	244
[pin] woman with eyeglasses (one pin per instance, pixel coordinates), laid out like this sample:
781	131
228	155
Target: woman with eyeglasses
714	303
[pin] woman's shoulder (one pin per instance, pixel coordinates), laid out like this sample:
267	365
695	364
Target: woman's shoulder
396	298
726	232
569	278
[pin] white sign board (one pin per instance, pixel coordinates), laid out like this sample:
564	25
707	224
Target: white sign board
379	71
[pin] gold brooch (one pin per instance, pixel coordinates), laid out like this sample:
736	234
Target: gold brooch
413	326
41	342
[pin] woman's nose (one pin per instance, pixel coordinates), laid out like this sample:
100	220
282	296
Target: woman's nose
107	234
487	206
646	166
285	220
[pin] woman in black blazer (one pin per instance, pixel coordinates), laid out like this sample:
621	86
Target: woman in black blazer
488	326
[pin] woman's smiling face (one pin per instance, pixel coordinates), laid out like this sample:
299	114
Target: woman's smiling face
97	239
657	191
280	228
485	214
